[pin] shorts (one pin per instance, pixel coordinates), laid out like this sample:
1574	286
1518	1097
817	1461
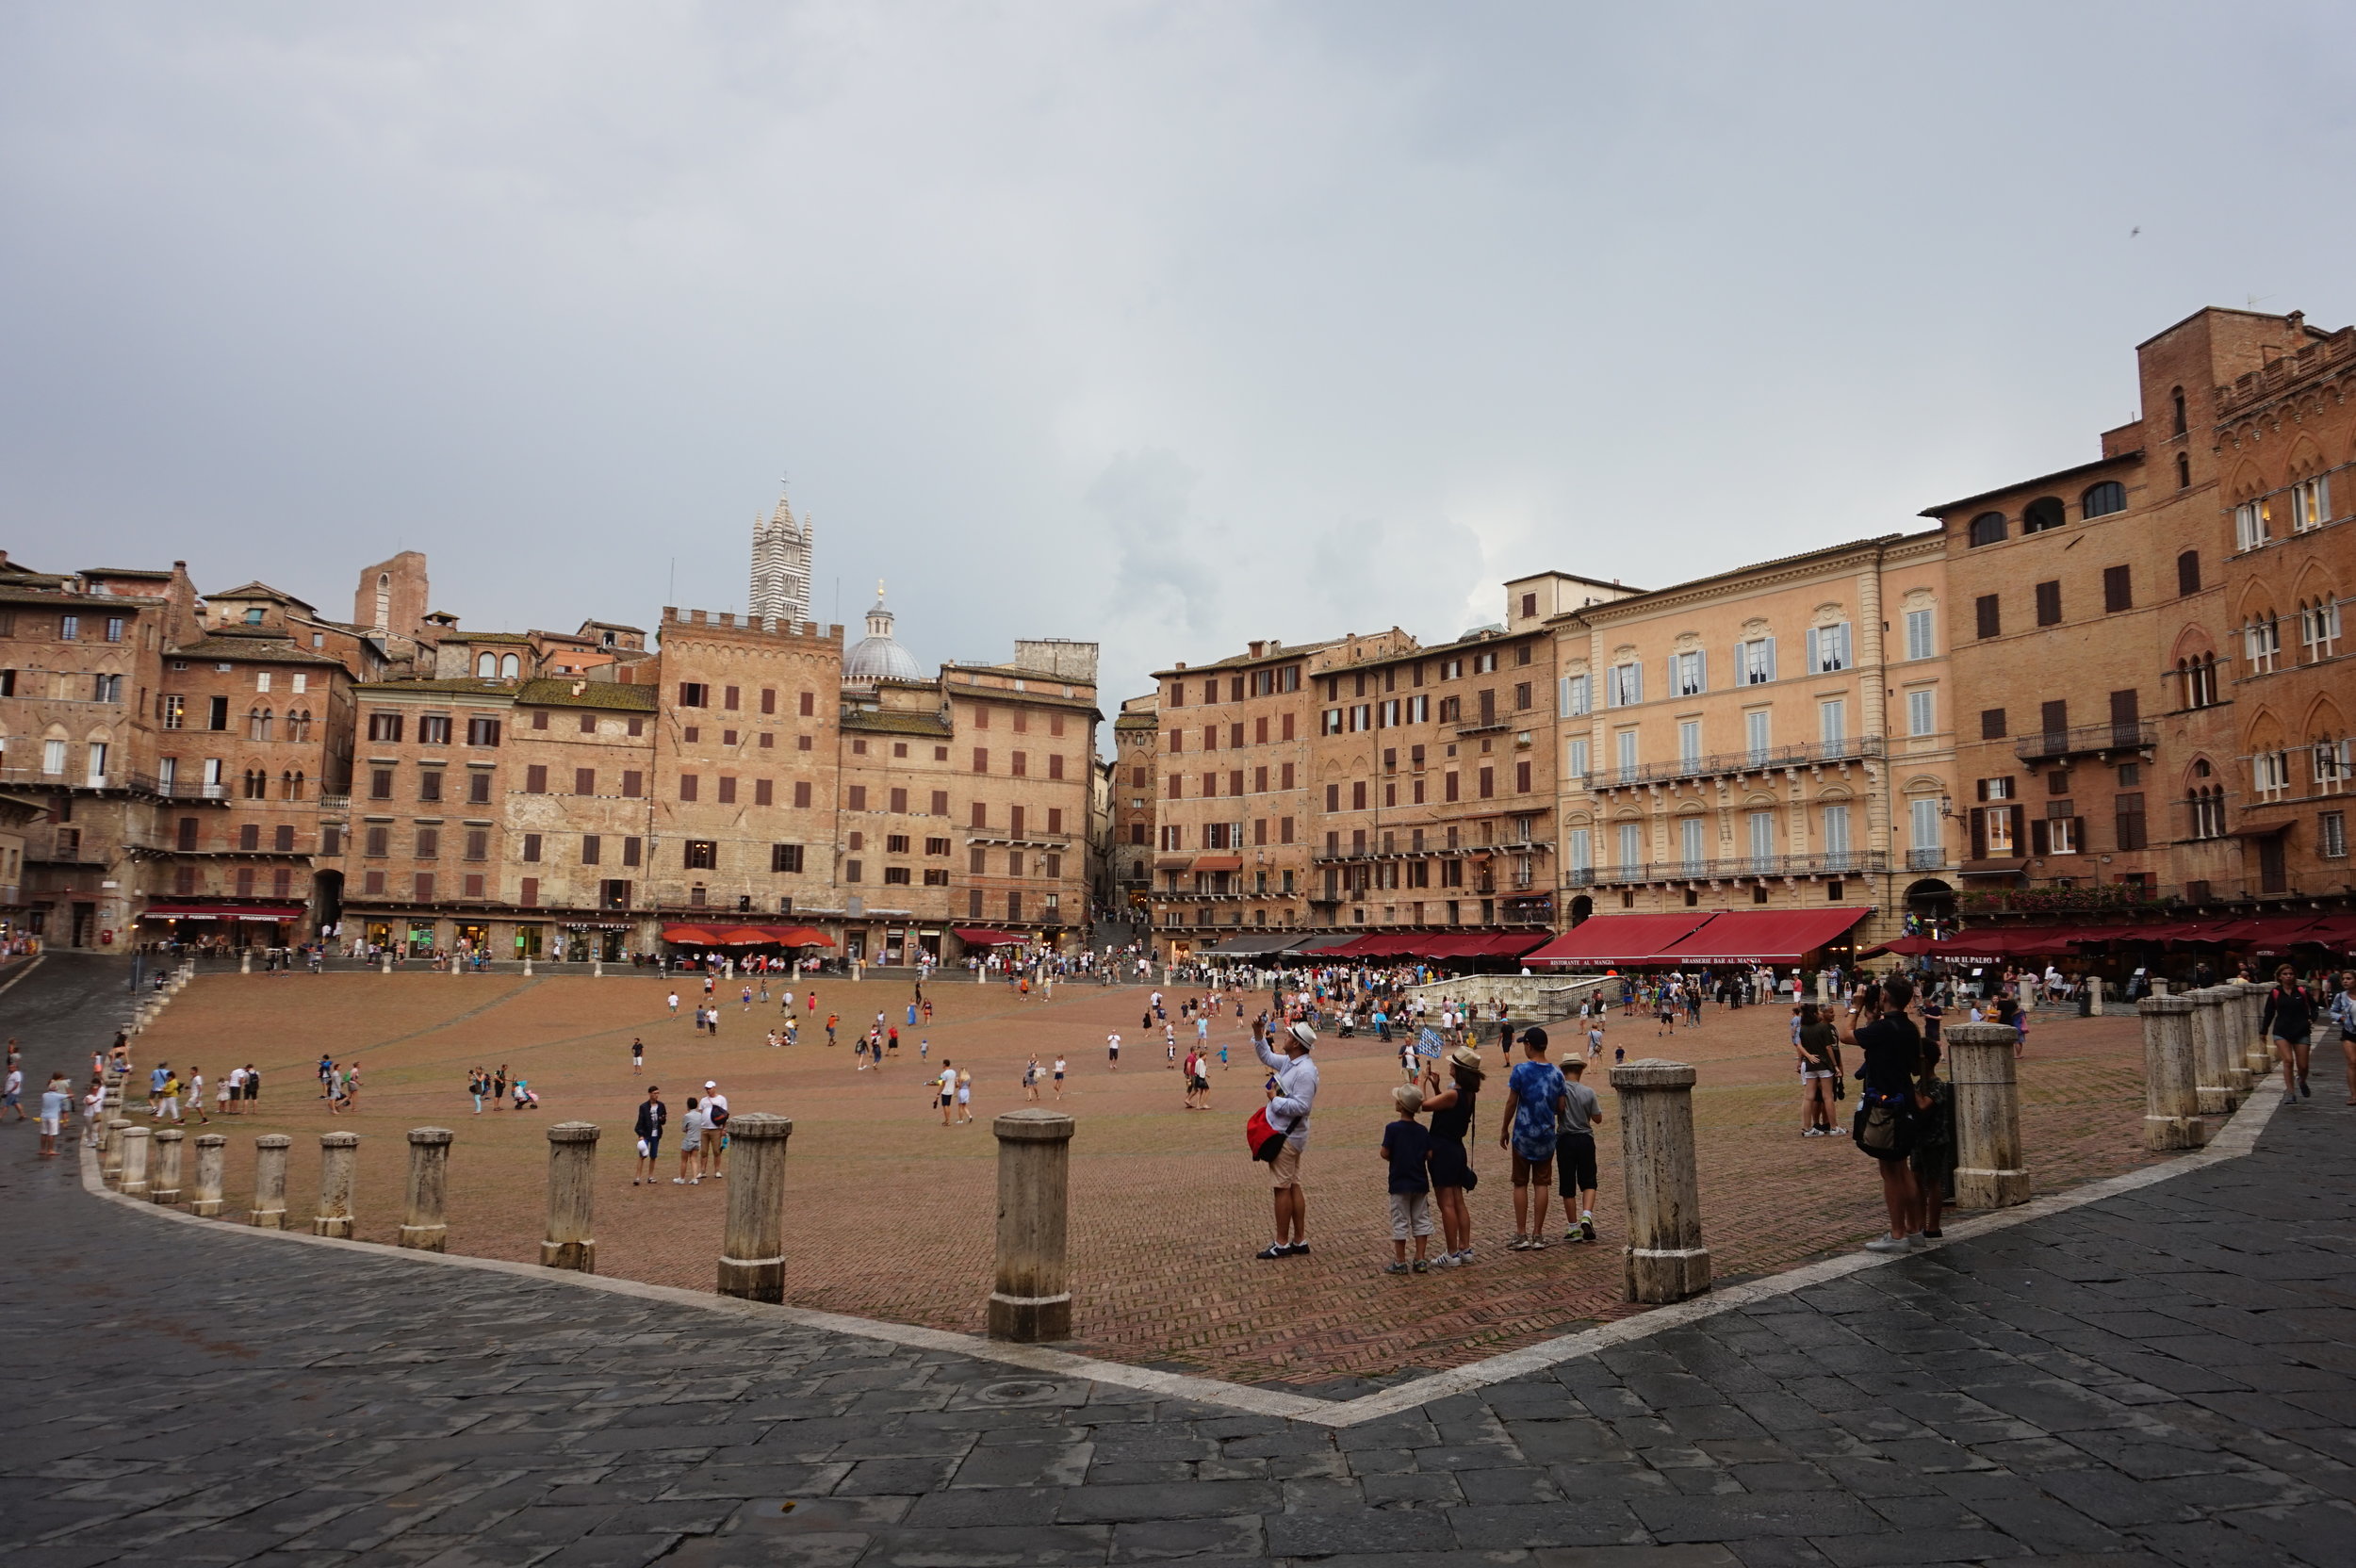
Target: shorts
948	1099
1815	1073
1284	1170
1530	1171
1575	1165
2298	1039
1411	1215
49	1126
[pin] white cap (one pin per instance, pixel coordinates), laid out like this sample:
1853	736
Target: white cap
709	1085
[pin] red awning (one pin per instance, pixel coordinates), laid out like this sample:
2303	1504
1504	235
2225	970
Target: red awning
743	936
1904	947
222	912
799	936
1219	862
700	936
2334	932
1762	935
1618	939
977	936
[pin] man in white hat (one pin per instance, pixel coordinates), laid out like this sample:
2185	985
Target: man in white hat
716	1146
1290	1100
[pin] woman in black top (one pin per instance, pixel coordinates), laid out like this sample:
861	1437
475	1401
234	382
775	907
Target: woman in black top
1451	1169
2289	1019
1890	1051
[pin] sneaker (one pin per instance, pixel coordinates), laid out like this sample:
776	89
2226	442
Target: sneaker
1887	1244
678	1181
1587	1226
1299	1248
1277	1249
1537	1244
1571	1237
1915	1241
1420	1267
1465	1258
1394	1268
1519	1244
2304	1089
1448	1260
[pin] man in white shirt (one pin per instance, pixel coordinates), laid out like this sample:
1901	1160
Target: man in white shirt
1289	1101
1112	1052
947	1086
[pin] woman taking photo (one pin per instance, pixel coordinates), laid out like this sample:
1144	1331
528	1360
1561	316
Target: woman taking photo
1889	1050
2288	1021
1451	1169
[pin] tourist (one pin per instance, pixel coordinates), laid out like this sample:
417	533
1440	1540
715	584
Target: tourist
477	1081
1059	1069
1886	1126
252	1087
965	1096
1450	1164
1575	1153
525	1099
195	1100
1203	1080
327	1077
225	1094
2342	1011
13	1090
1534	1116
716	1143
1407	1150
1292	1092
1818	1052
155	1081
351	1086
336	1105
652	1114
93	1109
1933	1161
56	1104
637	1055
499	1087
1112	1052
691	1144
945	1085
2289	1020
1030	1078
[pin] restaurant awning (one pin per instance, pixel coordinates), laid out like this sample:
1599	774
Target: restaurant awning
977	936
700	936
1618	939
1324	944
1219	862
743	936
2335	932
1238	947
801	935
222	912
1904	947
1762	935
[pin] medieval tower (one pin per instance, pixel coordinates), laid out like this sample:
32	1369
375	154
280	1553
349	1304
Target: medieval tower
781	564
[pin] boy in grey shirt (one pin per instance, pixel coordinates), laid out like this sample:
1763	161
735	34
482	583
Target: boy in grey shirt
1575	1152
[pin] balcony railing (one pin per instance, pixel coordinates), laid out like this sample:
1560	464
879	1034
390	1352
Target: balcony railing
1736	763
1927	859
1430	852
1844	864
2086	739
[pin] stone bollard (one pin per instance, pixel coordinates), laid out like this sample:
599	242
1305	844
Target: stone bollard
2250	1001
212	1160
339	1160
752	1254
270	1181
1033	1298
1666	1260
422	1225
572	1197
133	1182
2171	1094
110	1150
2213	1077
387	966
597	968
165	1187
527	966
1988	1171
2094	995
245	960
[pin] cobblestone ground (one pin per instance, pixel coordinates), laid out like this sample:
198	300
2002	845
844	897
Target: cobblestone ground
2167	1377
895	1213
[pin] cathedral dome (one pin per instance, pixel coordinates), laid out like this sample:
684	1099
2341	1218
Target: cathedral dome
878	656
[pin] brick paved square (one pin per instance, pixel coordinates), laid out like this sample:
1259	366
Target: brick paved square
891	1214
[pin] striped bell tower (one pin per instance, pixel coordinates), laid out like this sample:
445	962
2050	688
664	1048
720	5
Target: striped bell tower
782	549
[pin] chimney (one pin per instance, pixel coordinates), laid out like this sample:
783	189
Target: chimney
1256	647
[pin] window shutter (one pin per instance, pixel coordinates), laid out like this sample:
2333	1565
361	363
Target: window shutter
1770	658
1979	830
2017	814
1815	650
1636	682
1841	640
2040	837
1701	670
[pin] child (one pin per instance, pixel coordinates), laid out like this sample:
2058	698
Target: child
1595	1035
1532	1124
1575	1152
1407	1146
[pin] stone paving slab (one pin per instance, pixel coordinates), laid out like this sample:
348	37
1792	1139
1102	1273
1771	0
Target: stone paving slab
2100	1384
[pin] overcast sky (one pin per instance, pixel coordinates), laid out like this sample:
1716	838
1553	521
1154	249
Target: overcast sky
1166	326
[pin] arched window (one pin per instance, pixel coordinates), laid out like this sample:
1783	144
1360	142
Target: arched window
1987	529
2207	810
298	724
2332	757
2042	513
2177	398
2183	472
258	724
2261	641
2103	499
509	667
487	666
256	784
2318	629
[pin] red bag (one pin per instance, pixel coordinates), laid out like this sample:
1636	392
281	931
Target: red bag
1261	1137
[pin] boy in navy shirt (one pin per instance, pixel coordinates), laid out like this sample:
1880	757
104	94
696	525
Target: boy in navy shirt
1407	1145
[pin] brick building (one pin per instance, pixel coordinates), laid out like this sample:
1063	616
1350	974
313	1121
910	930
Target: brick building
1135	780
2150	640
